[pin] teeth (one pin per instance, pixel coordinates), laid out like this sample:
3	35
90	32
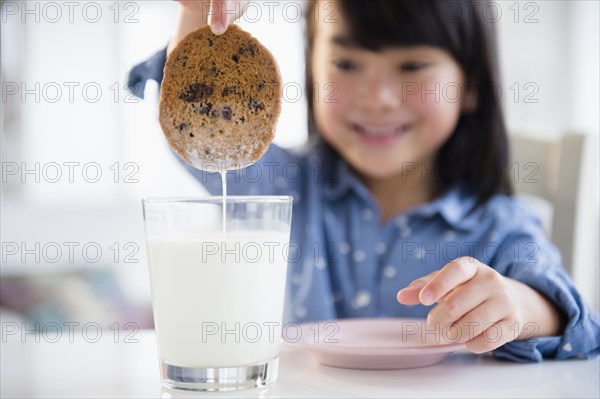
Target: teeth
381	132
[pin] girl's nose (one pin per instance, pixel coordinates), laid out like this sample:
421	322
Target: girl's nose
379	93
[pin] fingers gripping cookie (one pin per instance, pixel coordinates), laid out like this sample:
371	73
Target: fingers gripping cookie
220	99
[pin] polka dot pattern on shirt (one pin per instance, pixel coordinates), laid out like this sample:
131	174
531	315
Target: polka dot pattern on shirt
366	214
344	248
362	299
390	271
381	248
359	255
296	279
449	235
320	263
300	312
327	182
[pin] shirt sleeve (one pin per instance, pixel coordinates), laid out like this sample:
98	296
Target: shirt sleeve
526	255
277	172
152	68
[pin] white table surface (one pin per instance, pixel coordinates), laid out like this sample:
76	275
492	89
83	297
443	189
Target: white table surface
121	369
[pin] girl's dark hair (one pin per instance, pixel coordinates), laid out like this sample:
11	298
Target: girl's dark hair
477	153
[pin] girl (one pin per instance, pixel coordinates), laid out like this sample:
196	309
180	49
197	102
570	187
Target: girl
404	182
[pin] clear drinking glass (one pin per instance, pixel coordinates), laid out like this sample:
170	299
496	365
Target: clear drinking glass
217	277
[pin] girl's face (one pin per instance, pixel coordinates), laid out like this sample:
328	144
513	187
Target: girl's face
385	112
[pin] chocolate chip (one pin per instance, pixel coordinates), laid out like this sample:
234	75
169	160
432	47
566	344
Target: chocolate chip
182	126
254	104
196	92
191	134
226	112
183	59
204	109
235	58
261	86
207	151
250	48
228	90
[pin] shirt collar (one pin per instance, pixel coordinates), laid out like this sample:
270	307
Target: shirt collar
454	205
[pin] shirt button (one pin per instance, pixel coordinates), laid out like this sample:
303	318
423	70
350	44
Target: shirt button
567	347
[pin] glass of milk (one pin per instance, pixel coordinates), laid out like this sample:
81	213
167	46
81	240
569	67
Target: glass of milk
217	275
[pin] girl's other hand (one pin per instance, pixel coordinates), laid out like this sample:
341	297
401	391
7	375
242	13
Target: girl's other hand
476	304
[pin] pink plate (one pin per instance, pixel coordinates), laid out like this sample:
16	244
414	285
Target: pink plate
373	344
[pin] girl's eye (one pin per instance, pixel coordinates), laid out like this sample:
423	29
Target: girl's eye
412	66
345	65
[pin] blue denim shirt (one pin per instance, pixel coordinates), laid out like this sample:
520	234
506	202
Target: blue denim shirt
343	262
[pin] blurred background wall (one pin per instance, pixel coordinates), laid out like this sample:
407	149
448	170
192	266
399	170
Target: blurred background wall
79	152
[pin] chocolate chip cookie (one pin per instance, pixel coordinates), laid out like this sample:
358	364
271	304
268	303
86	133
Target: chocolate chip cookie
220	99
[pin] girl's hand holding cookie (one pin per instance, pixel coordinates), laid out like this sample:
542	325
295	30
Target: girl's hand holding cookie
219	14
194	14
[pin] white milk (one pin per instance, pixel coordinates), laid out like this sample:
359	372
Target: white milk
223	174
210	313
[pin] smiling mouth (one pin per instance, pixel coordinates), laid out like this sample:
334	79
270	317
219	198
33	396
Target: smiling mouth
382	133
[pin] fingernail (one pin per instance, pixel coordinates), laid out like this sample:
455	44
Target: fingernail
412	286
426	297
217	28
398	298
416	284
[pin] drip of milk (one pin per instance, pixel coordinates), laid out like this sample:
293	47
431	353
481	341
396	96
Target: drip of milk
223	174
222	168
